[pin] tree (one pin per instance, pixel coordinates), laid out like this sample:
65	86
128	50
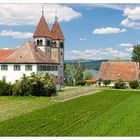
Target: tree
136	53
134	84
87	74
35	85
106	82
74	72
120	84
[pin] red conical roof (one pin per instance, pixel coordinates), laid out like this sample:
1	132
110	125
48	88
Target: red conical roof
42	29
56	31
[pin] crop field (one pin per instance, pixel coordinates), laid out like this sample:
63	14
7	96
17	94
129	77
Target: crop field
108	113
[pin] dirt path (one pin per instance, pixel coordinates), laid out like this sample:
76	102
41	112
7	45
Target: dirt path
83	94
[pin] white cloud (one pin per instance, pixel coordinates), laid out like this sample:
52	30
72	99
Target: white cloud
132	13
83	39
128	23
29	14
115	6
126	45
108	30
102	53
132	17
16	34
129	49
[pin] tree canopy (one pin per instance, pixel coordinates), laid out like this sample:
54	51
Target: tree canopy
136	54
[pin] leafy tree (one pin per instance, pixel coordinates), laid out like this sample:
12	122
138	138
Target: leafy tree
134	84
73	73
120	84
5	88
87	74
35	85
106	82
136	53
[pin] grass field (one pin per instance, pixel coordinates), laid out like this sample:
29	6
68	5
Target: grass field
108	113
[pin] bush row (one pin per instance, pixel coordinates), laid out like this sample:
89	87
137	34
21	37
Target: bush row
35	85
120	84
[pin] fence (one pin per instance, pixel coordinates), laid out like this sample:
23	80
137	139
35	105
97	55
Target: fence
74	93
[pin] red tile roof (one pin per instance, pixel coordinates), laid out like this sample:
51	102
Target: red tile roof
28	53
127	71
5	53
92	80
56	79
42	29
56	32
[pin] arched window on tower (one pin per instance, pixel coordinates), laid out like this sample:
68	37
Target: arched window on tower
61	44
38	42
48	42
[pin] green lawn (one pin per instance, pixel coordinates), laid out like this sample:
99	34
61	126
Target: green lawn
108	113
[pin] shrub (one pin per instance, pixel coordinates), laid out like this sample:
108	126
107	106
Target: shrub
22	87
106	82
120	84
134	84
5	88
81	83
36	85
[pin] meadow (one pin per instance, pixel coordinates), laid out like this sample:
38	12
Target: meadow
107	113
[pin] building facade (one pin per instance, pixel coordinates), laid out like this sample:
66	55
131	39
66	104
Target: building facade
113	71
51	42
44	54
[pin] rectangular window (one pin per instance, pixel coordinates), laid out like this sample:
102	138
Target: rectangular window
4	67
42	67
56	68
16	67
28	67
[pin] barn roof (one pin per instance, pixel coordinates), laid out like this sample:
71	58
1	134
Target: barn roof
28	53
127	71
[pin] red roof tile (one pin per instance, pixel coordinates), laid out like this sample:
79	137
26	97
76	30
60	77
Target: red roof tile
28	53
42	29
93	80
127	71
5	53
56	32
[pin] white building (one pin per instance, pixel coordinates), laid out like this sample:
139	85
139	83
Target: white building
45	54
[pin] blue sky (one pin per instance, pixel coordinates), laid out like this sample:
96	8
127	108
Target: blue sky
92	31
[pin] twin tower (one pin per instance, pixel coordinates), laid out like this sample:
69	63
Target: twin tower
51	42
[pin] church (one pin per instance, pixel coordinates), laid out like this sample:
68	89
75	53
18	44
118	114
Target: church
44	54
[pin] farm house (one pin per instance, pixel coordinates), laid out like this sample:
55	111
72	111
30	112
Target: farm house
126	71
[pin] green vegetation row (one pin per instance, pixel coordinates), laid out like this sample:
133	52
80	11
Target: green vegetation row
63	119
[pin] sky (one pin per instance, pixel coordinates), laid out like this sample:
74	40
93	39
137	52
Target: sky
92	31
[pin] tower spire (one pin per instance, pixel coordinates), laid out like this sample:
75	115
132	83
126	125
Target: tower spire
42	10
56	14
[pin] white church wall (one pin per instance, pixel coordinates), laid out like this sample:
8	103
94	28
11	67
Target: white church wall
11	75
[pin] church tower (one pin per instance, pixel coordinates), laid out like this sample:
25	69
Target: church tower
57	48
42	36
